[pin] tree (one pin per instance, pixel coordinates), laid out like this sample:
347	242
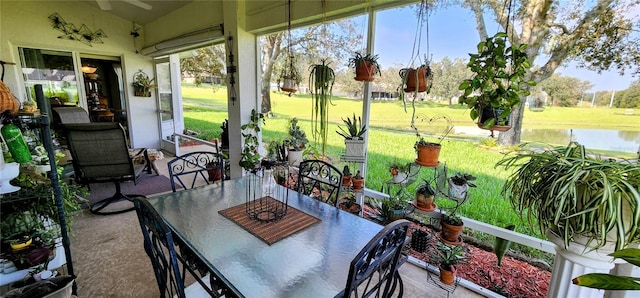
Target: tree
447	76
631	96
334	40
564	91
599	35
207	63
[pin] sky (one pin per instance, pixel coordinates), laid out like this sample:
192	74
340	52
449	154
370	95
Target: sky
453	34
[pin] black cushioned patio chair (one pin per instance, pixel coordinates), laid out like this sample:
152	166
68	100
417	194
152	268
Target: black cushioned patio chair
99	154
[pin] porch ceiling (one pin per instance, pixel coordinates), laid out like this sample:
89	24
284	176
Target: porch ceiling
128	10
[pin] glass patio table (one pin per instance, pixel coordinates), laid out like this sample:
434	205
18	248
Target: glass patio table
313	262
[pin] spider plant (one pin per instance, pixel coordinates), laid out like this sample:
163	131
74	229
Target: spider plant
321	81
573	193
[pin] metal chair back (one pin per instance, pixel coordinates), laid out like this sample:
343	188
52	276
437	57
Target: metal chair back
195	169
374	271
100	153
159	246
319	180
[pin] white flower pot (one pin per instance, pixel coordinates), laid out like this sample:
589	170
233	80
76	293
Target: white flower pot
401	177
458	191
354	148
295	157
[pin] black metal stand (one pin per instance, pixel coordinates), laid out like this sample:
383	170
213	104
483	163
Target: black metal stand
45	122
435	279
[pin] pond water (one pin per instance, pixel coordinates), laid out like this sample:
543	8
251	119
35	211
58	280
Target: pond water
602	139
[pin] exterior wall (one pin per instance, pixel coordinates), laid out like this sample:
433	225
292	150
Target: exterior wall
26	23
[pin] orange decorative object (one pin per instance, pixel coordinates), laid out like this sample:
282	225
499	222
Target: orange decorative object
8	102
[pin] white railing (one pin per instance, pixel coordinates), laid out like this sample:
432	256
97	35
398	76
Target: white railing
176	142
473	224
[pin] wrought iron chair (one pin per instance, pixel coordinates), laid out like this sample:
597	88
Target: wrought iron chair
374	271
196	168
160	246
99	154
320	180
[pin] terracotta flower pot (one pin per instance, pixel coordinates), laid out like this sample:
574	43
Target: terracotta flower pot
358	184
428	155
425	203
448	277
416	79
450	233
365	72
346	180
353	209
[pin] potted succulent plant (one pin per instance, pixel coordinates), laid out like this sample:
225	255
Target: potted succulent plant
400	171
353	137
459	185
357	181
425	194
366	67
346	176
348	203
297	142
498	82
391	208
447	257
587	205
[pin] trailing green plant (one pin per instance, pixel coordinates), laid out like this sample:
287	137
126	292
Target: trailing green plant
498	79
250	157
358	59
355	129
321	79
297	137
571	193
606	281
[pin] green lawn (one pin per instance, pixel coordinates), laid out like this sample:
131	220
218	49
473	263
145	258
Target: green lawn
390	138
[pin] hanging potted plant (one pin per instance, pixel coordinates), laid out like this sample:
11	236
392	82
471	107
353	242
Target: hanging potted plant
297	142
447	257
498	82
142	84
321	79
366	67
290	77
353	137
587	205
416	79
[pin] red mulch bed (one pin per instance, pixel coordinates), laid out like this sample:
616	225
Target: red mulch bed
514	278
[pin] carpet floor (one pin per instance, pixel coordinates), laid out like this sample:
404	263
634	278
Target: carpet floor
108	254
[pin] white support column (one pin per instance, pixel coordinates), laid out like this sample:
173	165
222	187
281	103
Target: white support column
366	99
246	93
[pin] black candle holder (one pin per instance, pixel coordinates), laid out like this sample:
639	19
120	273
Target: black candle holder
266	197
